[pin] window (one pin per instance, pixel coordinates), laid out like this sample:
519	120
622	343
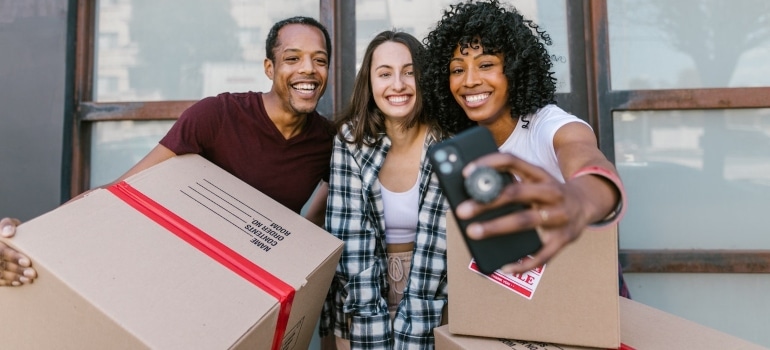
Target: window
151	60
374	16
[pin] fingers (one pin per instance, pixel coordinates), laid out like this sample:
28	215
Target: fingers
502	225
15	275
548	251
517	220
550	207
8	226
536	187
509	163
15	268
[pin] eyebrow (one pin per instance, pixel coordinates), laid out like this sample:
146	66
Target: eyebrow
295	50
391	67
474	57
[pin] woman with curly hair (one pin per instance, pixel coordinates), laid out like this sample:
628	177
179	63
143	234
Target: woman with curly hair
389	289
488	65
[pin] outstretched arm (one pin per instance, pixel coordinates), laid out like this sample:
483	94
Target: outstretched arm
155	156
559	210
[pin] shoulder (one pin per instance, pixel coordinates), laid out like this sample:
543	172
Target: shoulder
225	99
553	113
346	133
207	110
551	117
240	99
205	104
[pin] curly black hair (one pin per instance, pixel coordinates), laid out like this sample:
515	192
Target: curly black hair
498	29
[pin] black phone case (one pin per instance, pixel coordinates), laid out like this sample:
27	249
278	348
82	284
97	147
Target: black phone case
490	253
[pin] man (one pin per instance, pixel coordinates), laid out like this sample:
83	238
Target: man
292	137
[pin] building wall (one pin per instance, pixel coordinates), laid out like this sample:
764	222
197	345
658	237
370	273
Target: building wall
33	63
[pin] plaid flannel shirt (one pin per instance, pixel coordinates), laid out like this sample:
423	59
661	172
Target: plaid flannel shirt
356	306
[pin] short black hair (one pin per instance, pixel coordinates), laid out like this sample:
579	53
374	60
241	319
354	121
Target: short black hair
272	37
498	29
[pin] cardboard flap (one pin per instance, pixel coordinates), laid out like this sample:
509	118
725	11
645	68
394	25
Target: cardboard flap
644	327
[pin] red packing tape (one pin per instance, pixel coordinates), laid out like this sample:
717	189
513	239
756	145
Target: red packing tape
214	249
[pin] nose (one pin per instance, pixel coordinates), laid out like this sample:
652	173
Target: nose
306	66
471	77
398	82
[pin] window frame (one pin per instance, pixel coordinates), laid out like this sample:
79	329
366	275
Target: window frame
87	111
590	97
605	101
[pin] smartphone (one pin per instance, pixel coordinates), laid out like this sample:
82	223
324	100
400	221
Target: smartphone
448	158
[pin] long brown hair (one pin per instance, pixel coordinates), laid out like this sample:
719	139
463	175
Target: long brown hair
366	120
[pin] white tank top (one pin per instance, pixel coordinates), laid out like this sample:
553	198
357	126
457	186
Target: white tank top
401	212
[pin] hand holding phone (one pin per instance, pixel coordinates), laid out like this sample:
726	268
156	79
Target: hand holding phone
448	159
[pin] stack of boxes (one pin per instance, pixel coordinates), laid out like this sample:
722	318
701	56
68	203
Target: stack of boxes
570	303
186	256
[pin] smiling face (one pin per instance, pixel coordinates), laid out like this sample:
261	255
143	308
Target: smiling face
479	85
392	80
300	68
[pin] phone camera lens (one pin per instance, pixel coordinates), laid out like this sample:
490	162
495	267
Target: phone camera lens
440	155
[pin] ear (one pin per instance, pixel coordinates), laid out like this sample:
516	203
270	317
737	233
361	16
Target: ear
269	68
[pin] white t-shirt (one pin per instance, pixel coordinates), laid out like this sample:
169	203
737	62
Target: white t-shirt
535	143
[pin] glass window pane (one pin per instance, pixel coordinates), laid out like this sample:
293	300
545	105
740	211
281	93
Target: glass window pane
683	44
374	16
149	50
737	302
694	173
117	145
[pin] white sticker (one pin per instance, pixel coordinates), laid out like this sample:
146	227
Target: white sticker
524	283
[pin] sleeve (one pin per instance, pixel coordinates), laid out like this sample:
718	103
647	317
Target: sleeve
195	128
347	218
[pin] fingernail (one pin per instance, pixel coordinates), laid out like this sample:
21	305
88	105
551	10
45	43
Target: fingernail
463	210
24	279
8	231
474	231
511	269
15	283
469	169
30	272
24	262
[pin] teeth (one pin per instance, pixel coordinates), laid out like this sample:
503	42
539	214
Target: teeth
398	99
476	98
304	86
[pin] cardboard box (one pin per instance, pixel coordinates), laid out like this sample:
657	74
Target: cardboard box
573	299
181	256
642	328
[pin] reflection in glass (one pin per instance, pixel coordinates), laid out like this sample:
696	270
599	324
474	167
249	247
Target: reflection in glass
688	174
150	50
663	44
374	16
117	145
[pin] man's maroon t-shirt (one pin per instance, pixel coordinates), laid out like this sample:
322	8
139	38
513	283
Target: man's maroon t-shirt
234	131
